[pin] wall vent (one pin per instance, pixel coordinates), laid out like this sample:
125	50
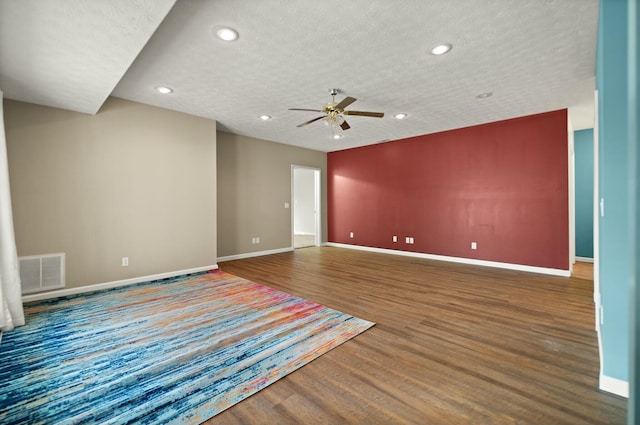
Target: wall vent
42	272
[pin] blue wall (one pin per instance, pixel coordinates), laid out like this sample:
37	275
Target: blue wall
583	149
613	153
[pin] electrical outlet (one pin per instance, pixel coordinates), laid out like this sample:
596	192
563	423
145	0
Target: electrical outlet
258	239
474	245
351	235
125	261
395	238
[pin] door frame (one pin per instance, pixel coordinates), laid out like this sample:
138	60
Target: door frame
317	202
598	206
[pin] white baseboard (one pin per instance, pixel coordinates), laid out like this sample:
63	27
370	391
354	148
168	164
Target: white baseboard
584	259
254	254
519	267
614	386
114	284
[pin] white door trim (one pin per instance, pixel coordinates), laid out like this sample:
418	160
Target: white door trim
317	202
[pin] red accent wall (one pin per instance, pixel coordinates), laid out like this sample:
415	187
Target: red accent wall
503	185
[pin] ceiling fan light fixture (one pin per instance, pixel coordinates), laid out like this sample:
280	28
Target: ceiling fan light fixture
441	49
265	117
164	90
337	136
333	113
226	34
400	116
333	119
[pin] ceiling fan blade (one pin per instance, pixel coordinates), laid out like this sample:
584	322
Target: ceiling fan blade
302	109
309	122
345	125
364	114
345	102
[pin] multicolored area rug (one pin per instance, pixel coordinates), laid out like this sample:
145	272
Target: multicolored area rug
176	350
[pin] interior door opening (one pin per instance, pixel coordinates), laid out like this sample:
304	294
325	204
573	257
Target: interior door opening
305	206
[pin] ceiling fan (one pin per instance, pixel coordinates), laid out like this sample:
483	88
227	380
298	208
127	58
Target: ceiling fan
334	112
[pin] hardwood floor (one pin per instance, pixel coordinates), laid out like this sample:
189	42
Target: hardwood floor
304	241
583	270
452	344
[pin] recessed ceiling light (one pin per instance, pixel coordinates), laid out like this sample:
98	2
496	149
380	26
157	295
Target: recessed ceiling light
337	136
226	34
400	116
265	117
164	90
484	95
441	49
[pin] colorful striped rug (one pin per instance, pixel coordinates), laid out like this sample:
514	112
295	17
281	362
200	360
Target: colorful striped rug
177	350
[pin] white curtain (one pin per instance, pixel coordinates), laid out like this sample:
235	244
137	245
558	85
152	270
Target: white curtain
11	312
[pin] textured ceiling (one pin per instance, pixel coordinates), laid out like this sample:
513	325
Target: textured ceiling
533	55
70	54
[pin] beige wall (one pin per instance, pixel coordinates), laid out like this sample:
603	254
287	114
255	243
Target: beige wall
254	182
133	180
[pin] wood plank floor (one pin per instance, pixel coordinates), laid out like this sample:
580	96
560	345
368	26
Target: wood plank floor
452	344
583	270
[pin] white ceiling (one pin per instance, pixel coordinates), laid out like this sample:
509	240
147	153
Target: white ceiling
70	54
533	55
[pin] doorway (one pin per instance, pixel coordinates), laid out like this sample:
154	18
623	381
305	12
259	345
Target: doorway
305	206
